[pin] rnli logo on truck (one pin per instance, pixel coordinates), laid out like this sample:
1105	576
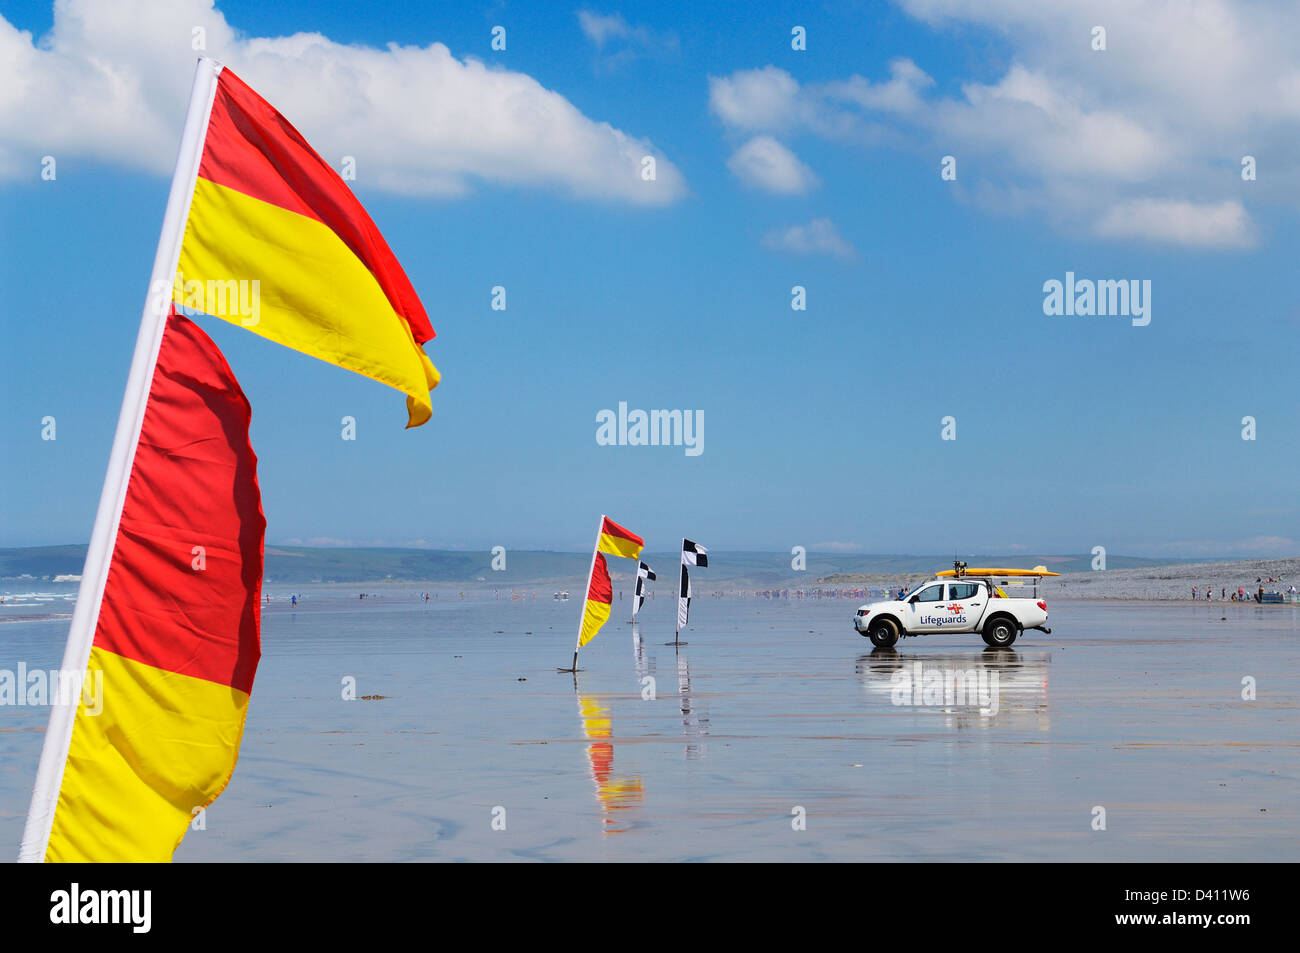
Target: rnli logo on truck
955	609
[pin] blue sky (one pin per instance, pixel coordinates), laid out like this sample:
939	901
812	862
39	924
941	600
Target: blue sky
822	427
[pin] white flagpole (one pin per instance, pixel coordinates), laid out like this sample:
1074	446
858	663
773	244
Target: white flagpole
153	321
595	549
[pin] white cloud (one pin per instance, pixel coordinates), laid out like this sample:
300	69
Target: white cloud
818	237
764	163
111	81
902	93
1142	140
757	99
619	40
771	100
1210	225
1028	120
600	28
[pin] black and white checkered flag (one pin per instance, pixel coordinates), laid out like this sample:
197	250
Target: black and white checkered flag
643	573
693	554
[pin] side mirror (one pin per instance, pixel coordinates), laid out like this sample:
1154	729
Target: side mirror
914	599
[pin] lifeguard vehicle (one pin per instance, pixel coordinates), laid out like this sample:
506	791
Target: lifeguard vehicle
960	600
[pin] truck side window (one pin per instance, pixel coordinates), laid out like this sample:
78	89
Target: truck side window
930	594
962	590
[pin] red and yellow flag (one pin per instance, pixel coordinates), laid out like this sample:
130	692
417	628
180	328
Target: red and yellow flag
618	541
268	209
167	624
178	636
600	593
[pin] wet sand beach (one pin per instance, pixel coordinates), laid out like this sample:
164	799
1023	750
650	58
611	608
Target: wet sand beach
773	712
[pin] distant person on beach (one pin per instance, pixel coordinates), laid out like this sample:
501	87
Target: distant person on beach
293	600
1193	592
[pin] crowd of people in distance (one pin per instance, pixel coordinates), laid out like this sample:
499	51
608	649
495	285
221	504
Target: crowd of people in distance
1241	595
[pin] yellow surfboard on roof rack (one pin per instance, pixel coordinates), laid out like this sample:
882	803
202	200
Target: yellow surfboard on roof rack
1037	572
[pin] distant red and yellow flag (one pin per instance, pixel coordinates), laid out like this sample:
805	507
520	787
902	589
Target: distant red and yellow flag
268	209
178	637
600	593
617	541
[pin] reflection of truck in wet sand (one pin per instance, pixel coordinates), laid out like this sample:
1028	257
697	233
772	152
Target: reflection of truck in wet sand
958	600
969	688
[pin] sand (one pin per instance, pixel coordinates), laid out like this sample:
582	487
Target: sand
775	714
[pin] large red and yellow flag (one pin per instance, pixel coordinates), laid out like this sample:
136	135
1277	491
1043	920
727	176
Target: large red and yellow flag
178	636
166	629
268	209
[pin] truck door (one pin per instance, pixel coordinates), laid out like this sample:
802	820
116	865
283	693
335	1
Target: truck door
925	611
966	600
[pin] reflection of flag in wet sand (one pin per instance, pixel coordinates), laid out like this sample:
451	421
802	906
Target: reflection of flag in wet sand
695	722
613	794
644	664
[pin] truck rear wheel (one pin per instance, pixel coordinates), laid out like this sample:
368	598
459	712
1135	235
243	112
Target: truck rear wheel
883	633
1000	632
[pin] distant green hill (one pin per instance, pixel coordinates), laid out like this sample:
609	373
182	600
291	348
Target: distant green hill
304	564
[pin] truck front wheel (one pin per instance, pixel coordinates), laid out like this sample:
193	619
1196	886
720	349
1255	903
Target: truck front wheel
883	633
1000	632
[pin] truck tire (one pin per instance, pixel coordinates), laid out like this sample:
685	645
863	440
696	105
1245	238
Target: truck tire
883	633
1001	631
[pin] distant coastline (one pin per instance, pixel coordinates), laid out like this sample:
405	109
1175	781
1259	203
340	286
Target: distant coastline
1125	577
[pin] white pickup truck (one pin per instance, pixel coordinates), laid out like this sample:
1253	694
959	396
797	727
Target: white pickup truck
969	601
